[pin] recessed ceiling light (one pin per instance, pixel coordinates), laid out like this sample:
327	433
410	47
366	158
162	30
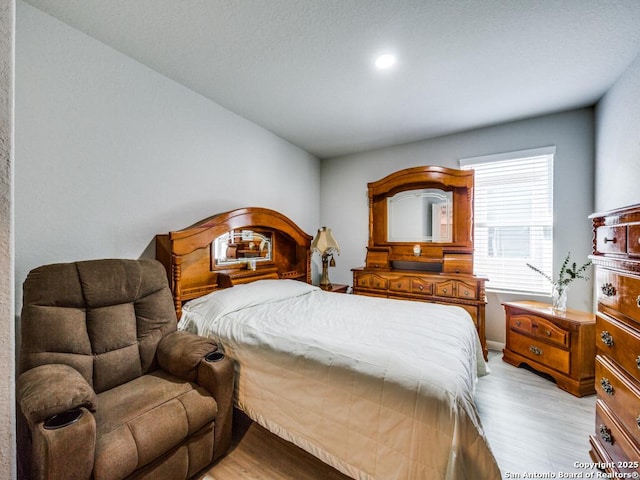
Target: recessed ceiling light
385	61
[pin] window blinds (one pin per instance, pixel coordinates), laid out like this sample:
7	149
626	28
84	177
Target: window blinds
513	219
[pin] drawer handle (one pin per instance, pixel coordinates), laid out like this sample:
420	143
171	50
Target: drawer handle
420	287
518	323
606	386
535	350
605	434
612	240
608	290
606	338
548	333
638	421
399	285
638	301
638	362
444	290
466	293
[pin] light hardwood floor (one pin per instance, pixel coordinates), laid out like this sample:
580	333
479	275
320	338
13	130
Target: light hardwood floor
532	426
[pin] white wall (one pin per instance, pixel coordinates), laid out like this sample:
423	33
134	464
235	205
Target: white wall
344	181
110	153
618	143
7	333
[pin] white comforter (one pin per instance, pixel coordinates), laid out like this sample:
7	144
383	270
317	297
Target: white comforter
378	388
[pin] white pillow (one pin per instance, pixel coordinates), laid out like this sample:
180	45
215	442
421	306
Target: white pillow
200	313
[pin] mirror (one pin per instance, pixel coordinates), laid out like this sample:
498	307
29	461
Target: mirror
422	215
242	246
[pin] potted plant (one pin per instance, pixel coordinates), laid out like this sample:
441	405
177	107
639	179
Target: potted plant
568	273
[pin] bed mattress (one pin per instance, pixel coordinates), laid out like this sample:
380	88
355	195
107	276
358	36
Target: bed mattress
378	388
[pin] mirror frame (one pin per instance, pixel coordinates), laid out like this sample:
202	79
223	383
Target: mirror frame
459	182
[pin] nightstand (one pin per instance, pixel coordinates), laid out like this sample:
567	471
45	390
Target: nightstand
337	288
560	344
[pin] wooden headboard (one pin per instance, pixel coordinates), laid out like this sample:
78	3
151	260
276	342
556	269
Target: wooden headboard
189	258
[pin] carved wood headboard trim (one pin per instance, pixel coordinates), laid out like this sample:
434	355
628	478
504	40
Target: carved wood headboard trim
186	253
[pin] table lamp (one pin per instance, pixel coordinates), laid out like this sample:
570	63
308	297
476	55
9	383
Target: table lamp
326	246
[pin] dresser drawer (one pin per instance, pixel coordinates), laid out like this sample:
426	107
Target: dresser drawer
619	292
620	343
608	287
400	284
446	288
541	352
620	393
633	239
419	285
611	239
377	258
370	280
457	289
465	290
621	449
629	296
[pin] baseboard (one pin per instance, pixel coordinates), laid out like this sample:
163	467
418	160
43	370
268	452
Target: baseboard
495	346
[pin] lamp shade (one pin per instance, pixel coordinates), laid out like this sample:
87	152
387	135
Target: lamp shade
325	242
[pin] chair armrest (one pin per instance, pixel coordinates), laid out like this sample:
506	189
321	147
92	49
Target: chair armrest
197	359
52	389
180	353
217	376
66	452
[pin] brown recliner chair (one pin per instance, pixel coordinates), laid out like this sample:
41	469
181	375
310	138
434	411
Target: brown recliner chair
108	388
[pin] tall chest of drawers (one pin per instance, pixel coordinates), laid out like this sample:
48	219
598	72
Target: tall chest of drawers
616	255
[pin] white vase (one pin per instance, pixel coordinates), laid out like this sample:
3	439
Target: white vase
559	299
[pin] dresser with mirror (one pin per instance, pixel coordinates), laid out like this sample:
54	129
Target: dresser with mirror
421	241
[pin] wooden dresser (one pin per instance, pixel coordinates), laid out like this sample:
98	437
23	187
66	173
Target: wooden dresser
466	291
421	241
560	344
616	255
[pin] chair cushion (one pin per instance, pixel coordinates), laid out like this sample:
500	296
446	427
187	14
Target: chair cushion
141	420
104	318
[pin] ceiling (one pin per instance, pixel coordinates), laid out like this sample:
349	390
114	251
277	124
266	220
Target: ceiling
303	68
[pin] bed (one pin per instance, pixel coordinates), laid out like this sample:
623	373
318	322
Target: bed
377	388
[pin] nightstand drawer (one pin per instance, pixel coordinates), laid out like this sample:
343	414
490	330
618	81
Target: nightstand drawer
539	328
541	352
521	323
550	332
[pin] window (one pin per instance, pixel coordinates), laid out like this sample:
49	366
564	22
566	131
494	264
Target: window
513	219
